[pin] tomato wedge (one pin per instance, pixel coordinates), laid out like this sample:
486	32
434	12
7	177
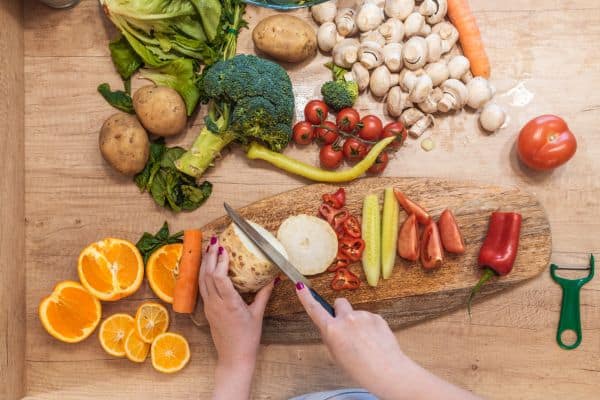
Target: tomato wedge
344	279
352	227
352	248
412	208
335	200
408	239
432	254
452	239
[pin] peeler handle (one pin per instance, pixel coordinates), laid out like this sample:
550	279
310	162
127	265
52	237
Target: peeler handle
570	318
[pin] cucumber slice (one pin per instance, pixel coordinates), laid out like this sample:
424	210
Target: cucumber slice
371	232
389	232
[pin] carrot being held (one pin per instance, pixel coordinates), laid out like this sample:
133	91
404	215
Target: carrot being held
186	285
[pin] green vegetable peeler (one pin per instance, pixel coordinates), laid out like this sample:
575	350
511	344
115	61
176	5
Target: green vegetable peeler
569	313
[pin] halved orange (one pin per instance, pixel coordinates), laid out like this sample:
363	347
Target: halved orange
113	332
111	269
70	313
135	348
170	352
162	269
151	319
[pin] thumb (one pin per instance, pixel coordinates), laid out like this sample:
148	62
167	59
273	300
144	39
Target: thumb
315	311
261	299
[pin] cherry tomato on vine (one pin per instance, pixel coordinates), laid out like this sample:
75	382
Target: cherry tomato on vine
327	132
347	119
396	129
354	149
371	128
380	163
330	156
303	132
316	111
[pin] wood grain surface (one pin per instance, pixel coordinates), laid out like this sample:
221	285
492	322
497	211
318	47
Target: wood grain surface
507	351
411	294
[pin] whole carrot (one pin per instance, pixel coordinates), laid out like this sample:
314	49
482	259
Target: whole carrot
186	285
463	19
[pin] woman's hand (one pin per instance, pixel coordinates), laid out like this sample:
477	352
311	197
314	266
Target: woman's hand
364	346
235	326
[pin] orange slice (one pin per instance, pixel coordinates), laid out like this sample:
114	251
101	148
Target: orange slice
113	332
70	313
170	352
135	348
111	269
162	269
151	319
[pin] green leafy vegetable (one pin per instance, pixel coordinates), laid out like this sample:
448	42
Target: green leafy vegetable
149	243
125	59
169	187
118	99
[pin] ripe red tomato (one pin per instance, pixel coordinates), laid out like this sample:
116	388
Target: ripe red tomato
395	129
546	142
316	111
371	128
330	156
303	132
354	149
380	163
347	119
327	132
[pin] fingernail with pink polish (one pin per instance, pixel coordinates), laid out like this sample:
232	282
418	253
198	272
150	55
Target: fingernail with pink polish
220	250
299	286
276	281
213	240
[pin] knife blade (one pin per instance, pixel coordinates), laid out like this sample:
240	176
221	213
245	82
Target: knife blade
275	256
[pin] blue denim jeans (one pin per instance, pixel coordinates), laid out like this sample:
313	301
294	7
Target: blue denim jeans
341	394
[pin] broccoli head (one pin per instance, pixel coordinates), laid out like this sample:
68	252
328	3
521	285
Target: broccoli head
339	94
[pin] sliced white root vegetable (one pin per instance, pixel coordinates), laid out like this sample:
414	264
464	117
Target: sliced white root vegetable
310	242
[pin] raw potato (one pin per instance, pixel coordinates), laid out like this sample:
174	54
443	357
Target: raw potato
160	109
124	143
310	242
249	269
285	38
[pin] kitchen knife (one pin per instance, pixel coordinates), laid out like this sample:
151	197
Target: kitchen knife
275	256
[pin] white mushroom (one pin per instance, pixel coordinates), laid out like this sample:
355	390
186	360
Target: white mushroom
429	105
434	47
369	17
327	36
397	101
370	54
438	72
408	78
324	12
392	30
372	36
344	20
392	56
421	89
358	74
455	95
414	53
448	33
415	25
434	10
458	67
345	52
382	80
399	8
492	117
480	92
419	127
410	116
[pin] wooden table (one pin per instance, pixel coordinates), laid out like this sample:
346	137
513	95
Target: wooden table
507	351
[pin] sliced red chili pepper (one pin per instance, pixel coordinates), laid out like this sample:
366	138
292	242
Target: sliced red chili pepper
352	247
408	239
432	254
339	218
344	279
352	227
450	234
327	212
341	261
412	208
335	200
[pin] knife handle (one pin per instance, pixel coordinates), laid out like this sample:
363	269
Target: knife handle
322	302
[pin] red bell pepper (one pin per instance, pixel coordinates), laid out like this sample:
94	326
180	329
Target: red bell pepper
408	239
327	212
335	200
412	208
499	250
352	248
450	234
338	219
341	261
345	279
352	227
432	254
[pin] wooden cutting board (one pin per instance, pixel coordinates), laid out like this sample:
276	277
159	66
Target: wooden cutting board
411	294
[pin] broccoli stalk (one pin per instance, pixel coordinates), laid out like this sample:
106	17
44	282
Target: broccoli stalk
339	93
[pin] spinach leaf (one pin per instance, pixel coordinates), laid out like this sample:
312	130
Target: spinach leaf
118	99
124	57
148	243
